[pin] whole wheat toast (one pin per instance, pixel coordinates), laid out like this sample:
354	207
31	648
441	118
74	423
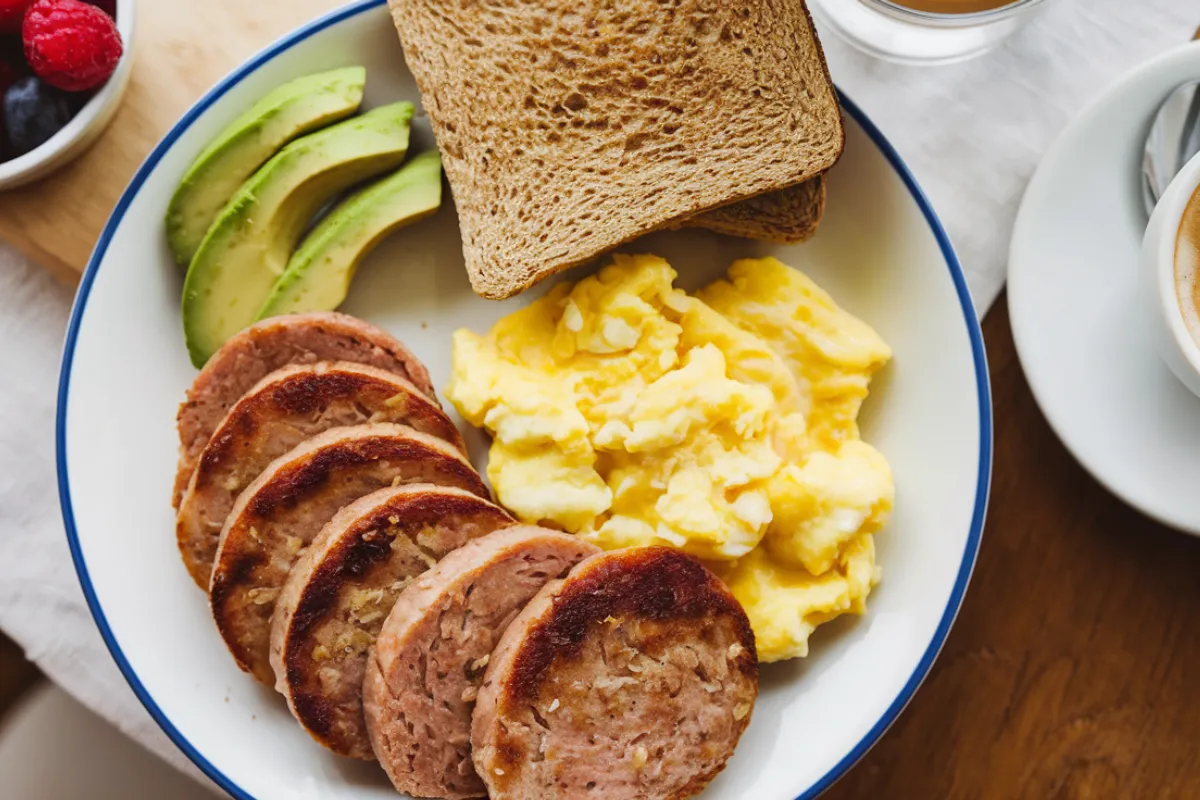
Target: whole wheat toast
568	127
788	216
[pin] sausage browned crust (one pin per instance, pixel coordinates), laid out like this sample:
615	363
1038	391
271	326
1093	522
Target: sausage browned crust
266	346
632	678
278	413
338	595
430	657
282	511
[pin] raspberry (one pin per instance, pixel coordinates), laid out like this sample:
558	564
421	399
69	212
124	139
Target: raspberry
11	14
71	44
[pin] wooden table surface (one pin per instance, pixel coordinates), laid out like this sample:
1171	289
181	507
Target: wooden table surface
1073	670
1067	673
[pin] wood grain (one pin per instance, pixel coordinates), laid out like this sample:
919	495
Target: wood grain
181	49
1074	668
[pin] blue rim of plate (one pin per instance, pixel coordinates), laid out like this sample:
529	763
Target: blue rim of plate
983	387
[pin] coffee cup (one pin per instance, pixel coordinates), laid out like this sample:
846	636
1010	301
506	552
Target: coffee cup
1170	275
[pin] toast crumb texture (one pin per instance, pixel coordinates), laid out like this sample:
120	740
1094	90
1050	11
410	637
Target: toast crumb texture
569	127
788	216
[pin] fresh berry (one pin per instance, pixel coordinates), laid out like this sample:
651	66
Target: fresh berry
107	6
11	14
33	112
71	44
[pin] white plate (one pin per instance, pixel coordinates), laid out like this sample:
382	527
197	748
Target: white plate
881	252
1072	286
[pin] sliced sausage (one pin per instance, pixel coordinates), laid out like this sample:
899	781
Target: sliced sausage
336	598
285	507
426	666
266	346
632	678
282	410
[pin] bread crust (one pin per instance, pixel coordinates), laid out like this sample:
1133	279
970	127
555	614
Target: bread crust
789	216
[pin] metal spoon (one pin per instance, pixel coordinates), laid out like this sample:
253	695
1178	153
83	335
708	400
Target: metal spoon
1174	138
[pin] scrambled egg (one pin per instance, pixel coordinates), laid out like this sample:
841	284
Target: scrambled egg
723	424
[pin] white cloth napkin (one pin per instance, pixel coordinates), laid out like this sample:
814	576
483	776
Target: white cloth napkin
972	134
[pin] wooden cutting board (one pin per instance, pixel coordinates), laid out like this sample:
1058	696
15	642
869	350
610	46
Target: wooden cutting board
181	48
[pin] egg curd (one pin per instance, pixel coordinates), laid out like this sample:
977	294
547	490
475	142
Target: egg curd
723	424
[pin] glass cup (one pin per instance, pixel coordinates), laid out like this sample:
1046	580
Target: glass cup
893	32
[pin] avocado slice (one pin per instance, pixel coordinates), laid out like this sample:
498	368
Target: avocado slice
294	109
248	247
319	274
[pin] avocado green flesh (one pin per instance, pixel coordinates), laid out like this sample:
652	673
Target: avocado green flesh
319	274
293	109
249	245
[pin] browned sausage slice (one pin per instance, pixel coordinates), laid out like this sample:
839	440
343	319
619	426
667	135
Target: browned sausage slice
336	598
426	667
632	678
282	410
266	346
285	507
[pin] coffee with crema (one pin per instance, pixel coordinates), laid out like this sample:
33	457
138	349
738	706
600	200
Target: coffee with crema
953	6
1187	265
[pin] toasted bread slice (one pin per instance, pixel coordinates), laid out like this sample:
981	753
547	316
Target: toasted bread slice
285	508
338	595
568	127
788	216
282	410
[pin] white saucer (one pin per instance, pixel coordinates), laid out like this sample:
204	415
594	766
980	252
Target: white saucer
1071	293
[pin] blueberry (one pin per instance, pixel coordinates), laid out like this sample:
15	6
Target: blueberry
33	112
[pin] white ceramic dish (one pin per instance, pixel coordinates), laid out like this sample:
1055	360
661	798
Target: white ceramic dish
881	252
82	131
1160	289
1084	342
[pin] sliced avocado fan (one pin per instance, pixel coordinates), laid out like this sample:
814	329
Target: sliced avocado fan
294	109
319	274
248	247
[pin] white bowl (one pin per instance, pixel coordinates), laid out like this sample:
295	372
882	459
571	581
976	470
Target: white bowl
881	252
85	127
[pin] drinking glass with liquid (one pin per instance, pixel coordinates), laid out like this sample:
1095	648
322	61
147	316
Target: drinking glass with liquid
924	31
